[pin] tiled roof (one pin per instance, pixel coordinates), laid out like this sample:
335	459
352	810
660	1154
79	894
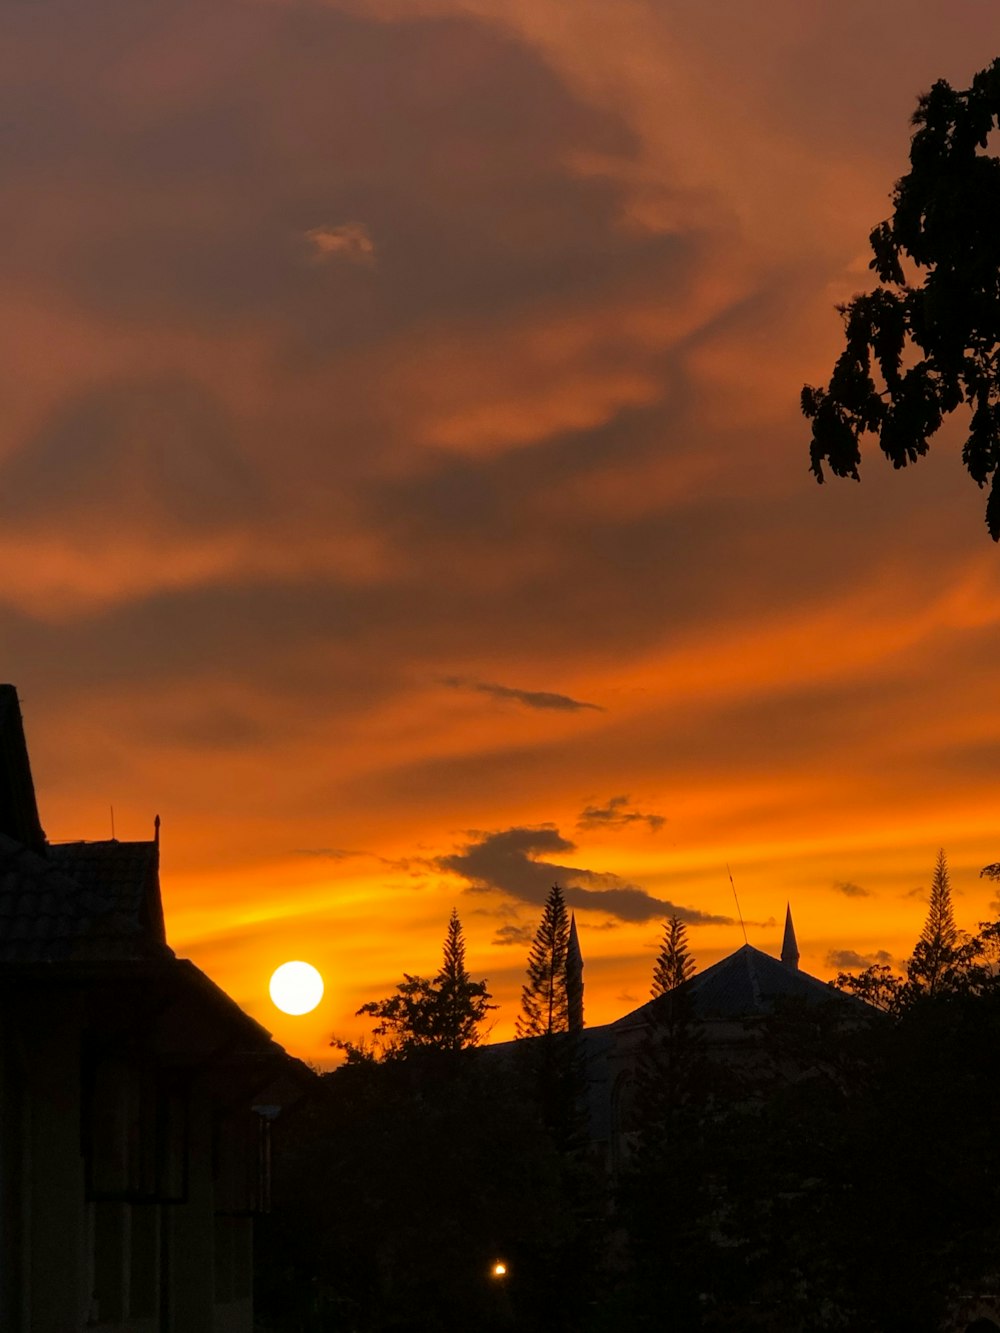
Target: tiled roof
745	983
124	873
48	914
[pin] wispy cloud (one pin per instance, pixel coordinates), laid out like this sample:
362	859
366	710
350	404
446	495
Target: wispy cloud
326	853
350	241
849	960
616	814
544	699
507	862
512	934
851	890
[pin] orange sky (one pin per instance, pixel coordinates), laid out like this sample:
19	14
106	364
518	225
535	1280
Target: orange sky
403	490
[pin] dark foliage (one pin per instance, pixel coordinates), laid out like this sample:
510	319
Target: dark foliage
927	341
402	1185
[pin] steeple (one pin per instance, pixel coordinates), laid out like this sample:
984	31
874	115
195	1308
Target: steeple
574	978
789	948
18	809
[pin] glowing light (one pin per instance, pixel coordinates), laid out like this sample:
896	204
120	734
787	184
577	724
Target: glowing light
296	988
499	1269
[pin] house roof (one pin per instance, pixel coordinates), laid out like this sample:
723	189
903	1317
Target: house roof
126	874
72	900
746	983
49	915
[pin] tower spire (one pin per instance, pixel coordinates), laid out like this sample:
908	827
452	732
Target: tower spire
18	808
789	947
574	978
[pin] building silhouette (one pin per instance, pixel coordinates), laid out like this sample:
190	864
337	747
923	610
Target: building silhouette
136	1098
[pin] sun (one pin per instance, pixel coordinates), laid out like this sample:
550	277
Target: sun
296	988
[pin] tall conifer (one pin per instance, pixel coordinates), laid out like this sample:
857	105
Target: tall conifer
937	950
461	1003
674	963
441	1014
544	999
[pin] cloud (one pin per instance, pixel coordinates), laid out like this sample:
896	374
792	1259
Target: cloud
851	890
506	862
849	960
920	894
511	934
615	814
325	853
351	241
542	699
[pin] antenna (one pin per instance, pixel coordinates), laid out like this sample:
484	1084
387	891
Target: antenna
112	823
738	912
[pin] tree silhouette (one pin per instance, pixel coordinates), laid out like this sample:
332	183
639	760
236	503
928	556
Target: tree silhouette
917	350
935	953
674	963
544	998
442	1014
945	961
461	1004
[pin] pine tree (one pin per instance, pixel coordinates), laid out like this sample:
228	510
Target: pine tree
544	999
461	1003
938	950
672	1050
441	1014
550	1002
674	963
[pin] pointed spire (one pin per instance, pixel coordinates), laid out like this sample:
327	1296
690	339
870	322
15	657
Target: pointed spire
18	809
574	978
789	948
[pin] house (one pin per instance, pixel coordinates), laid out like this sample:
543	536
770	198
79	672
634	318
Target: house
136	1098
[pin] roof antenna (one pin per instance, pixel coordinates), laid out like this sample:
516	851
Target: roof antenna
156	830
112	823
738	912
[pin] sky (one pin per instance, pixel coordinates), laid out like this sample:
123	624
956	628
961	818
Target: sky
403	490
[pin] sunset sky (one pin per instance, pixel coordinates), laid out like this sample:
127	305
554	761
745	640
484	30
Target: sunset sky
403	490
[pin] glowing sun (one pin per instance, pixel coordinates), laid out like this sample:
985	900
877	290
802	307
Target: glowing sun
296	988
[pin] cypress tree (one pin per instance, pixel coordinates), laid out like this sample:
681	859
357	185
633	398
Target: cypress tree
544	998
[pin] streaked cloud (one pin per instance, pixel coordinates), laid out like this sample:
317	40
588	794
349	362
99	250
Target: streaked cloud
326	853
543	699
616	814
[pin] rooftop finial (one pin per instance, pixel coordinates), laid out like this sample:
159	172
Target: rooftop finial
156	830
789	948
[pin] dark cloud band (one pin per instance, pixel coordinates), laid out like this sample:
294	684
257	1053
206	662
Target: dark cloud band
506	862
